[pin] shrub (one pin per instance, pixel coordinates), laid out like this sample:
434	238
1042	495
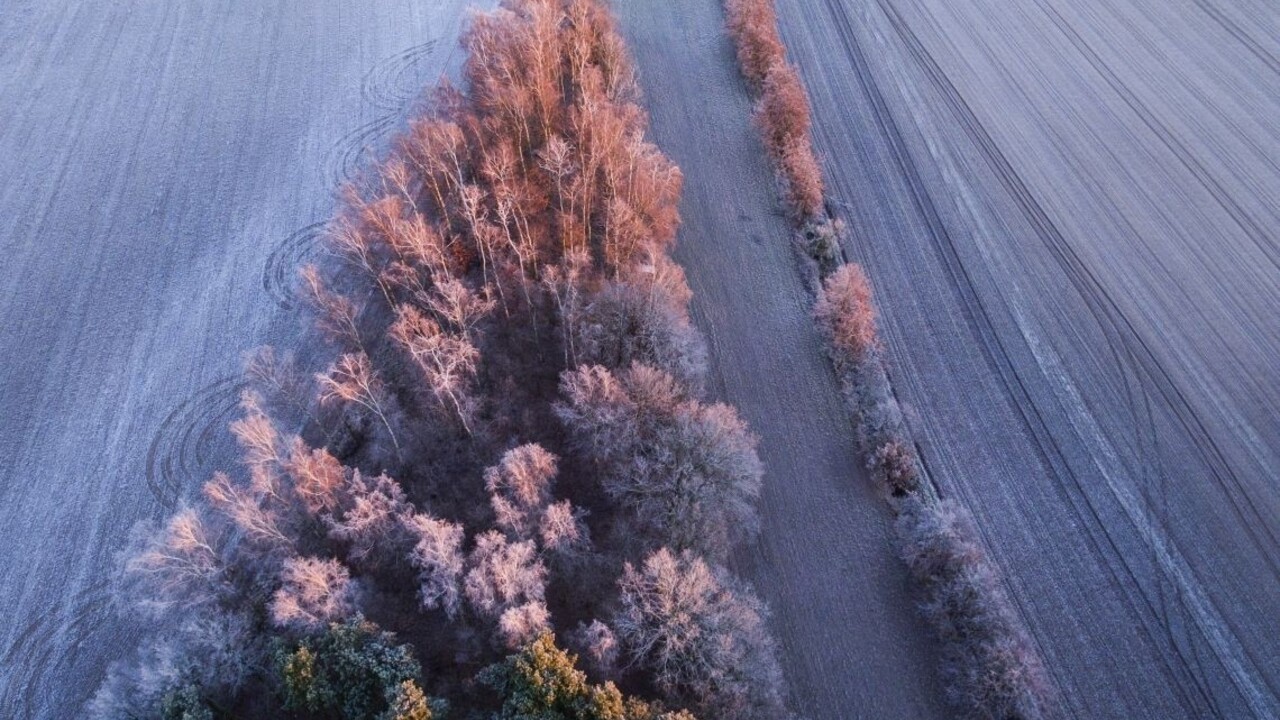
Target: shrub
802	180
782	106
846	314
988	665
437	554
894	463
598	645
782	112
753	25
185	703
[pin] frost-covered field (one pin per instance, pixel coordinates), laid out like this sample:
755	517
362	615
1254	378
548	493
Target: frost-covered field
1069	211
161	166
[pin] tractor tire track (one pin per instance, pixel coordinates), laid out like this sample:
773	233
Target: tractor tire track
33	649
1253	46
352	151
389	85
1108	314
973	309
181	454
280	274
1050	453
1246	222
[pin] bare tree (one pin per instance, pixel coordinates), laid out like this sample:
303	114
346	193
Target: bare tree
689	472
458	305
182	565
313	593
562	530
352	380
522	623
702	636
251	511
256	434
337	317
209	655
372	525
282	387
503	574
448	361
437	554
520	488
319	480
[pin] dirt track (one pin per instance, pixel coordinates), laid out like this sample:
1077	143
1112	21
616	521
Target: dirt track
852	644
1069	212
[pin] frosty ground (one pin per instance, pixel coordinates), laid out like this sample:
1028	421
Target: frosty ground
1068	212
162	164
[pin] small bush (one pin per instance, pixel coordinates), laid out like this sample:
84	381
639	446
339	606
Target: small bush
894	463
185	703
989	667
782	112
753	25
845	312
802	179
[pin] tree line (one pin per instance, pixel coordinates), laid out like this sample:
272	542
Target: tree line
989	667
502	493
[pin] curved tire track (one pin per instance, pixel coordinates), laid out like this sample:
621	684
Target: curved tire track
181	453
32	652
389	85
351	152
279	275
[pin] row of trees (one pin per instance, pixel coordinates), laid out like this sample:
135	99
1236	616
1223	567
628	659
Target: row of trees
782	106
506	449
988	664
